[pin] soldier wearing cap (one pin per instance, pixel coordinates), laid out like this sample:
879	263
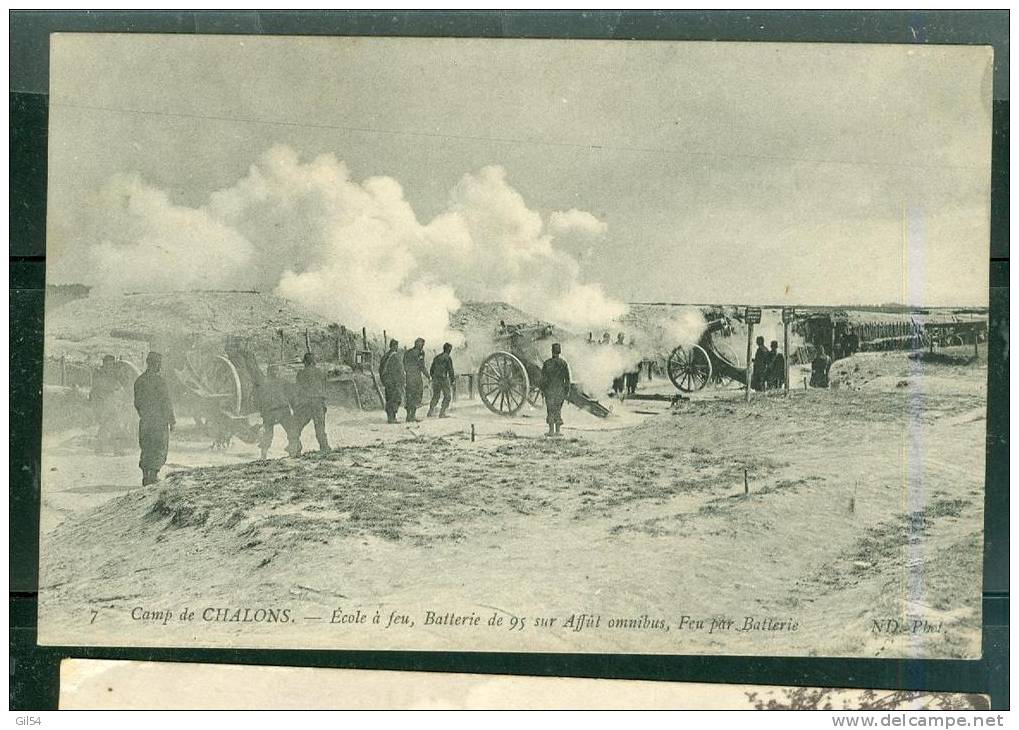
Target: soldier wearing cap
414	370
155	418
762	359
394	379
555	386
776	368
310	405
442	381
104	397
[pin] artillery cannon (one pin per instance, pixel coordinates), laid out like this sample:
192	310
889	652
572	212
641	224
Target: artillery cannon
210	379
691	367
511	376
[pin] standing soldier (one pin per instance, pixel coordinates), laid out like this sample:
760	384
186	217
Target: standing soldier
273	403
414	368
776	368
442	381
394	379
555	386
155	418
104	397
393	345
819	368
310	404
759	376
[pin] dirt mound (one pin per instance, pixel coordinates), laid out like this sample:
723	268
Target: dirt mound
484	316
85	329
954	370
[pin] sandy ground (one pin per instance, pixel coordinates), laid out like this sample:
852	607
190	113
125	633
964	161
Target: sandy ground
844	522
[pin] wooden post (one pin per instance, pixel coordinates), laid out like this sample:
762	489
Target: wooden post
746	482
750	352
385	341
976	343
63	370
786	316
307	341
472	433
752	316
364	337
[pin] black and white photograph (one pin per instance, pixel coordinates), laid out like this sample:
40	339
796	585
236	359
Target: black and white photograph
516	345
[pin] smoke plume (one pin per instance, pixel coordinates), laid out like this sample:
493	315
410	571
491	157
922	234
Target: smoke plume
355	252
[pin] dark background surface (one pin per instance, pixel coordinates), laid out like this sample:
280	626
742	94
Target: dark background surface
34	670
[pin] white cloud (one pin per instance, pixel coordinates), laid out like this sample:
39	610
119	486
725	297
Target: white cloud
354	252
576	221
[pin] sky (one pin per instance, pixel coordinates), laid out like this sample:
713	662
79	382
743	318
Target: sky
632	170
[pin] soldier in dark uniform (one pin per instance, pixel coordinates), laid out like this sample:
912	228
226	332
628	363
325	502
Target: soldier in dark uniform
555	386
155	418
776	368
414	368
759	375
819	368
273	403
310	404
394	379
393	345
104	397
442	381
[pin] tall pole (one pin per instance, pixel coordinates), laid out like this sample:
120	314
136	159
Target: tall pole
750	344
785	349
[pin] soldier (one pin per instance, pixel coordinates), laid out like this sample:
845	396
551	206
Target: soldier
394	379
104	396
414	369
155	418
310	404
776	368
819	368
758	378
393	345
443	378
273	403
555	386
618	382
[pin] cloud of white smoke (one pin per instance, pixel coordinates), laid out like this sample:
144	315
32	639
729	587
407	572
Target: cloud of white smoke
144	241
576	221
595	366
684	326
353	252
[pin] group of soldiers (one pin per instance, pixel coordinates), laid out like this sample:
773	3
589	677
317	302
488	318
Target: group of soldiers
152	403
403	378
626	381
769	367
294	411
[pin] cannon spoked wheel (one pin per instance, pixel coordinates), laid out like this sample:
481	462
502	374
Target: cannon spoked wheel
213	379
689	368
954	341
503	383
